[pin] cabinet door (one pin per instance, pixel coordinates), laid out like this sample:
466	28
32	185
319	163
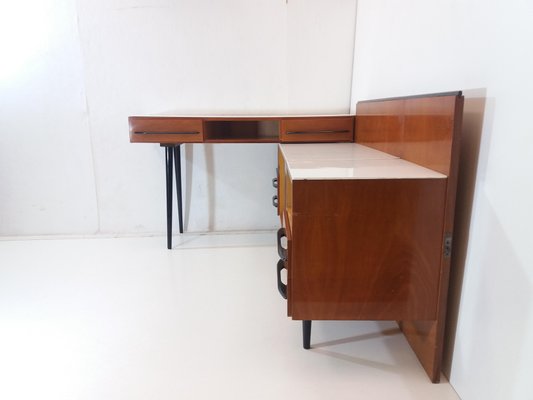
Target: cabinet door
166	130
317	129
366	249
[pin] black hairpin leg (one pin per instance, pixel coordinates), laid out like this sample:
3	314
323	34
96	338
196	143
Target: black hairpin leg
169	158
173	162
177	163
306	330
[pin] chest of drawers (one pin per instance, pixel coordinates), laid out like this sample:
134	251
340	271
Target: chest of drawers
368	225
364	234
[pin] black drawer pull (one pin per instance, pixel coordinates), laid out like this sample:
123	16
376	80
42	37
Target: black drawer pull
282	288
315	132
282	252
275	200
275	182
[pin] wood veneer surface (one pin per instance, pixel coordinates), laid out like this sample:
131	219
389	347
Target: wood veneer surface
425	130
420	130
244	129
326	129
166	130
363	249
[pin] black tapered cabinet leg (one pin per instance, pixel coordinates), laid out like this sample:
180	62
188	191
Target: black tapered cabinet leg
169	158
306	330
177	163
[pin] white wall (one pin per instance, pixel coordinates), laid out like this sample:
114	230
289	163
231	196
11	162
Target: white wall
66	163
46	171
483	48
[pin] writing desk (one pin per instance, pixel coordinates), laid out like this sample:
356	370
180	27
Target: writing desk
171	131
369	225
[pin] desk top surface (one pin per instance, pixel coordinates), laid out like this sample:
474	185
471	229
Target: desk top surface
349	161
223	116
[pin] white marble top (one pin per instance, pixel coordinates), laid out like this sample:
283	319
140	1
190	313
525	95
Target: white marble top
349	161
331	151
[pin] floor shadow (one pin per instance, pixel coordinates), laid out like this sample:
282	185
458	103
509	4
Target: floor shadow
321	348
356	360
358	338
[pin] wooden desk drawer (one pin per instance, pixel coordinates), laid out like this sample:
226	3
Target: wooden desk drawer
317	129
166	130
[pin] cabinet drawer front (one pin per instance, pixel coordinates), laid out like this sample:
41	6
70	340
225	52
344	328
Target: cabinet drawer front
317	129
166	130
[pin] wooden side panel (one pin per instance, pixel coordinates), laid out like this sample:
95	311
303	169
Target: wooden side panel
380	125
429	132
423	337
427	337
426	131
366	249
419	129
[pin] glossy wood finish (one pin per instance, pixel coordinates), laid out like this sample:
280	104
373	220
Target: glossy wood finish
363	249
373	249
425	130
420	129
175	130
166	130
313	129
427	337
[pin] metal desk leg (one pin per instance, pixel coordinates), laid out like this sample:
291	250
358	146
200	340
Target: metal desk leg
177	163
306	330
169	158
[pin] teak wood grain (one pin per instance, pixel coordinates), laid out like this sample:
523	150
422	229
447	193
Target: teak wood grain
176	130
425	130
427	337
420	129
166	130
317	129
364	249
375	249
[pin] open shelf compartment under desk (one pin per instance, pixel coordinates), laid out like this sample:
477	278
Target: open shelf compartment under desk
241	130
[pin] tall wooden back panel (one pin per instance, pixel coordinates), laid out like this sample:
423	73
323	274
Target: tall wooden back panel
426	131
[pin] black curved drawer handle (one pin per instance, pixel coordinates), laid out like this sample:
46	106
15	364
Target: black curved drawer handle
282	252
275	182
275	200
314	132
282	288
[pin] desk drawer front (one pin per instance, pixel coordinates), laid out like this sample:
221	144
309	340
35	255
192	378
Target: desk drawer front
316	129
166	130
